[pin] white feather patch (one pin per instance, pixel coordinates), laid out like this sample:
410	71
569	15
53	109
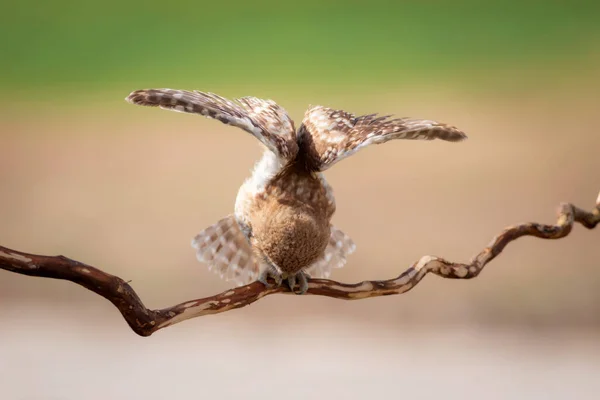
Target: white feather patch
227	252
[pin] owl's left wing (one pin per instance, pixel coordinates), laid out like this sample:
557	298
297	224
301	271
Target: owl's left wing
264	119
227	252
339	247
327	136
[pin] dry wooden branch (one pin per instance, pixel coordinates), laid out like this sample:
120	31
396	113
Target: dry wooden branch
144	322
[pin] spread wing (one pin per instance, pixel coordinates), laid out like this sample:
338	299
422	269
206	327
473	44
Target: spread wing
264	119
227	252
327	136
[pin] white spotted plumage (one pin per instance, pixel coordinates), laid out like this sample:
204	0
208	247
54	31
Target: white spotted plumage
327	136
227	252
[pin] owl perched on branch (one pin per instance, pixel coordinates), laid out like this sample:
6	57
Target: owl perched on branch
281	227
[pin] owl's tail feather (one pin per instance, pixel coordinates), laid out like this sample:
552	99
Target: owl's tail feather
227	252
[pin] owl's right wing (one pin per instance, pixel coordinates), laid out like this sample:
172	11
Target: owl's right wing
264	119
327	136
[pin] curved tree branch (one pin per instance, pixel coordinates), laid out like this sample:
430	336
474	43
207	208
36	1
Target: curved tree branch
144	321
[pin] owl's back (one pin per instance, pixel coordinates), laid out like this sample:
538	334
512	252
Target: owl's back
291	220
291	235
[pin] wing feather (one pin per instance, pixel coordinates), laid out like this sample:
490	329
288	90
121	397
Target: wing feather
264	119
327	136
224	247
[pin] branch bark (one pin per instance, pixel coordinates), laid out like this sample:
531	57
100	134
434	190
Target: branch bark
145	322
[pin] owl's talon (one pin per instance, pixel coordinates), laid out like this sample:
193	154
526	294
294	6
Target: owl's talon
301	279
270	273
278	279
291	280
303	282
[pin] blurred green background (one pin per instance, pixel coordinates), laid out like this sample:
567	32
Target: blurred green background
82	47
124	188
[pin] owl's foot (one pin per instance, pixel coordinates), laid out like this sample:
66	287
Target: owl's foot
301	278
270	272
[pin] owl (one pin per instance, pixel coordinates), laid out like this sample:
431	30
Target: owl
281	225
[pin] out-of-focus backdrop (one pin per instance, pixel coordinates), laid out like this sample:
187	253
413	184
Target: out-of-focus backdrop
125	188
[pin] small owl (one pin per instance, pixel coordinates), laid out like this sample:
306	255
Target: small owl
281	227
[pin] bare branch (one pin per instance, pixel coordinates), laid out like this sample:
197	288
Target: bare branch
144	321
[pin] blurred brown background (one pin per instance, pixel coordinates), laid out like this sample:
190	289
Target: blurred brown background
124	188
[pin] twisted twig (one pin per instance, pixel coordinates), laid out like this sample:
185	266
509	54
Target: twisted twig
144	322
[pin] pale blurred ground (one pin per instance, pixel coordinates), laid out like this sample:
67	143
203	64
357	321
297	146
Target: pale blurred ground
61	353
125	188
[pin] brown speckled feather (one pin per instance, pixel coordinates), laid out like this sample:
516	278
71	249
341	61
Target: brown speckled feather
327	136
264	119
290	220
